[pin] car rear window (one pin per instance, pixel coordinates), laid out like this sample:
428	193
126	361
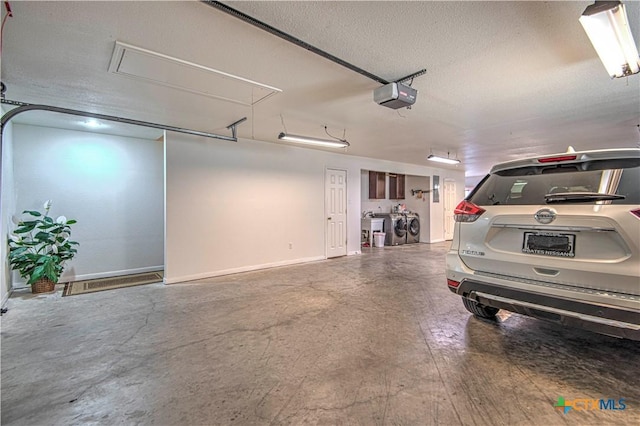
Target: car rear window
529	185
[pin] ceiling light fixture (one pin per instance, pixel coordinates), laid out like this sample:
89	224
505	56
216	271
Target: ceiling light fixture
607	26
445	160
338	143
91	123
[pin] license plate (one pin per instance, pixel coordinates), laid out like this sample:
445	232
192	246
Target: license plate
549	244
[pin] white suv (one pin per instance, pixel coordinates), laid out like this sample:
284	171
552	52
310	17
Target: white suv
556	238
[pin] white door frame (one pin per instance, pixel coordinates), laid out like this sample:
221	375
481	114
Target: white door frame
338	251
450	202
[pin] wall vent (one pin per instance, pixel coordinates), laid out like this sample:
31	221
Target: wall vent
147	65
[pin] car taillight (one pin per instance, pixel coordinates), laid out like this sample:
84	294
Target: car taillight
467	212
636	213
452	283
558	158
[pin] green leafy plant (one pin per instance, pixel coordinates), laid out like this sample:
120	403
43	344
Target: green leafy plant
39	247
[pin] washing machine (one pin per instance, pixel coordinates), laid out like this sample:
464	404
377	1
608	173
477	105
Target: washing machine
413	227
395	229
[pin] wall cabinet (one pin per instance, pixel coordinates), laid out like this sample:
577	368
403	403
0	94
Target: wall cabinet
396	186
377	185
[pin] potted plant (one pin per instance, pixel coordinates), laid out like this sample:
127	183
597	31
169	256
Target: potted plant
39	248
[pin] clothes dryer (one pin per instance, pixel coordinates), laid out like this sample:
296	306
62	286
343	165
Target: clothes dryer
413	227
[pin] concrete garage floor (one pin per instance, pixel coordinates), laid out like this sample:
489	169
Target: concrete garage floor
372	339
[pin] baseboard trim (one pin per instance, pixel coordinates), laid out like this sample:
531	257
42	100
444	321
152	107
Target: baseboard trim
6	297
437	241
211	274
110	274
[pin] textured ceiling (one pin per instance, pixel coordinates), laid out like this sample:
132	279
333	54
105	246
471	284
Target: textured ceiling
504	79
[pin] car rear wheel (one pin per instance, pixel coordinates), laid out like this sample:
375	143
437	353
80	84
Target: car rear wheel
480	310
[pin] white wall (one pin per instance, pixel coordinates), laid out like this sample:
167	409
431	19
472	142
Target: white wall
234	207
421	205
436	225
237	206
7	207
113	187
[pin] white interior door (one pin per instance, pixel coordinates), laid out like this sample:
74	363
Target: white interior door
336	212
450	202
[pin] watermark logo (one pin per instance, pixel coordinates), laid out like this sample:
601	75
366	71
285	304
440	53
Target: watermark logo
584	404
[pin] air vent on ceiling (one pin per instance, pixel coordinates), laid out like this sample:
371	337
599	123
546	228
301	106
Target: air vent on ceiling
158	68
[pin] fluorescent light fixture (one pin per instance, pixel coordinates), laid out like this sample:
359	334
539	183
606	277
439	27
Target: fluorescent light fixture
445	160
607	26
92	123
337	143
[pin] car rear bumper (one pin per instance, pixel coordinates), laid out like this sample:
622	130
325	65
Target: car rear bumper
604	319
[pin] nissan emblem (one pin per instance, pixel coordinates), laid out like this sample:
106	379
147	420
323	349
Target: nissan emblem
545	216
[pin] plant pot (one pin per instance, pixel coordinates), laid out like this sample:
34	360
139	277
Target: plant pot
43	286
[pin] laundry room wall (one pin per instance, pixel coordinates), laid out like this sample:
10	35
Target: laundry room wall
7	203
113	187
377	206
233	207
419	203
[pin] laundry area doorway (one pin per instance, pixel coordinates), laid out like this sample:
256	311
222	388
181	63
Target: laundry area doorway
385	195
